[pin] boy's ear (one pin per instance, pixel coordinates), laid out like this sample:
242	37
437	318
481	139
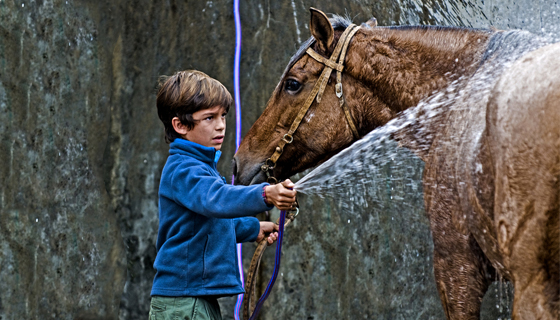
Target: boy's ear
179	127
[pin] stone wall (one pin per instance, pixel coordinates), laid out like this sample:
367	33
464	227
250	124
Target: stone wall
82	150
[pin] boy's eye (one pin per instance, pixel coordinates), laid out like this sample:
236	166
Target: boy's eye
208	118
224	115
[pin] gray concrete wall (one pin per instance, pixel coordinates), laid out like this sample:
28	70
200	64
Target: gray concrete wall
82	150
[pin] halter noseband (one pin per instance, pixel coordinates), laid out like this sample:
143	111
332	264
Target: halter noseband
318	90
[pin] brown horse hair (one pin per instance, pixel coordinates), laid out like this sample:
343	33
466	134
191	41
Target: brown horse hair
550	258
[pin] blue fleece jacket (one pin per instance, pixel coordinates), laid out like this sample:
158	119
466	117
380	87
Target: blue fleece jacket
201	218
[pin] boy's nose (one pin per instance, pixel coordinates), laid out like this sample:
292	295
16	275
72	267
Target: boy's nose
221	124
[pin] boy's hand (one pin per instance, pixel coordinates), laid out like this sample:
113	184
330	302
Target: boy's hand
268	228
280	196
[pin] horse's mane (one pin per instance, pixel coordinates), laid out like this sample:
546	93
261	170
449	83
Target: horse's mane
340	23
435	28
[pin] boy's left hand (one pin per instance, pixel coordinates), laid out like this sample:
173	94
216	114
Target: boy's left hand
268	228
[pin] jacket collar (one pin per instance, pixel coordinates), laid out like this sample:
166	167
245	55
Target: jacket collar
185	147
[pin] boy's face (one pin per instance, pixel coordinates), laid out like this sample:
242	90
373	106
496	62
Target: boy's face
209	128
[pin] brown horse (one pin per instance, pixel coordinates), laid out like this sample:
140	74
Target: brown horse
491	151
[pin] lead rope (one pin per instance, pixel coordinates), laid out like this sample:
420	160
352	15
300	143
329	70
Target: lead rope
281	226
249	306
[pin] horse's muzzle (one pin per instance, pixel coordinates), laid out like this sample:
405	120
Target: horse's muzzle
245	173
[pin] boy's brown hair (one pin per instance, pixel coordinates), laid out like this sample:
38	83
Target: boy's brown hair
185	93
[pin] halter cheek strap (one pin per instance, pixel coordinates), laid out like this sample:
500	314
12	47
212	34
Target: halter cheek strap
317	91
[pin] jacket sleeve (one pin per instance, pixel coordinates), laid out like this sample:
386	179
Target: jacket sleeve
198	190
246	229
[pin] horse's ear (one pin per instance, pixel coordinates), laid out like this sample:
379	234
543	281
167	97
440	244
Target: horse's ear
321	29
372	22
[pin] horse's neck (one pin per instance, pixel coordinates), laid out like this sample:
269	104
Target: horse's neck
408	64
403	66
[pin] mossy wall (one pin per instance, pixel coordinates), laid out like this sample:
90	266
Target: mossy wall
82	150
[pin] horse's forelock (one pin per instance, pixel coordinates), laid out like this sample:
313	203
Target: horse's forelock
340	22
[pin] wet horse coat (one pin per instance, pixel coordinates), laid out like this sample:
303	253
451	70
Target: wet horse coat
492	151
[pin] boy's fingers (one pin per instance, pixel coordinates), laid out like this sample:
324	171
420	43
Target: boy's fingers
289	194
288	197
272	237
288	183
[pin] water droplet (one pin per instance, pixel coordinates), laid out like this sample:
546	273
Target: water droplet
145	160
22	5
348	220
36	220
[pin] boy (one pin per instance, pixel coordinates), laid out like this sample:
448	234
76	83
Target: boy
201	217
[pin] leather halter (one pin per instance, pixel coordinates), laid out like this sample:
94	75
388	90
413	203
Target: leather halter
330	64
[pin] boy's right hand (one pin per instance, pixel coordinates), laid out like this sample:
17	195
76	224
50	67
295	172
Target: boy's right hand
280	196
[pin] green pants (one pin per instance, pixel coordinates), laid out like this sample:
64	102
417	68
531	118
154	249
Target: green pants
184	308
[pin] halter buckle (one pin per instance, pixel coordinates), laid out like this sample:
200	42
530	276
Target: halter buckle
338	88
286	137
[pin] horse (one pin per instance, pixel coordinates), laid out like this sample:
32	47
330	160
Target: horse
491	152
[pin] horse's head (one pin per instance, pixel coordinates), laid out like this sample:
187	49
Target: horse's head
324	129
386	70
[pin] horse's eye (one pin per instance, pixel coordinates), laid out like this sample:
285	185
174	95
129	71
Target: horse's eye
292	85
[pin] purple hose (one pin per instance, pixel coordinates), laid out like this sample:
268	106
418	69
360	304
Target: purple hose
237	135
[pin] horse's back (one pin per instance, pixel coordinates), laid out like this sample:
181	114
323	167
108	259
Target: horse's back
523	126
